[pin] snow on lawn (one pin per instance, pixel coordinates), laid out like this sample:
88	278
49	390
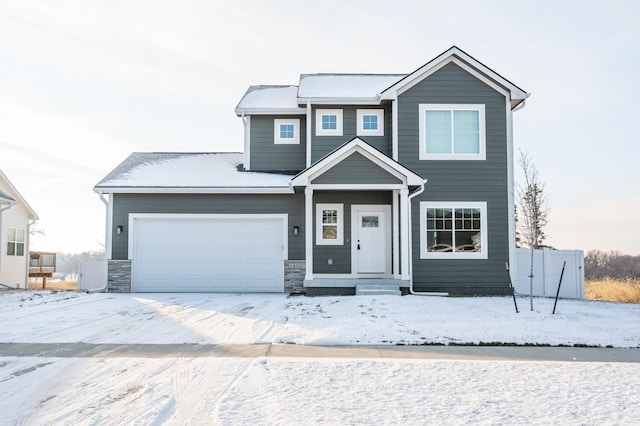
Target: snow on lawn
285	391
64	317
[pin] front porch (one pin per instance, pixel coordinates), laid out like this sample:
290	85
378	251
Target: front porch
357	286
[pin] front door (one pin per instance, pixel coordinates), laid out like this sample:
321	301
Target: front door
371	239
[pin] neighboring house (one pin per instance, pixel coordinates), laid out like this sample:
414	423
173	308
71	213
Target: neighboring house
345	179
16	216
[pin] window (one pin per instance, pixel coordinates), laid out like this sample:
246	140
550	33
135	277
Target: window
453	230
452	132
15	242
329	220
370	122
286	131
328	122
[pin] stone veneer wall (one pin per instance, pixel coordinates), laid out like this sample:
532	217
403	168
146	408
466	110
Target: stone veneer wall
294	271
119	276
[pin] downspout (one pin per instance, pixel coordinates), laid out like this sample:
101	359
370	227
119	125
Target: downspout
28	246
247	146
1	210
107	242
410	242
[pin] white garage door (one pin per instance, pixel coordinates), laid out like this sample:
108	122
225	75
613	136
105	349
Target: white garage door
208	253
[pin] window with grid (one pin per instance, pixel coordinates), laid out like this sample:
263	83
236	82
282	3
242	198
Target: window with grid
329	218
15	242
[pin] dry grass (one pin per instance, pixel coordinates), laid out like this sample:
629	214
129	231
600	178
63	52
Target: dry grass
54	284
627	290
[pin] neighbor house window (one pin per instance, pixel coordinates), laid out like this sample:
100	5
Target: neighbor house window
370	122
452	132
286	131
453	230
329	224
328	122
15	242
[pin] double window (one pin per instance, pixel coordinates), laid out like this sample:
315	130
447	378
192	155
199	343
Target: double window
329	224
328	122
452	132
15	242
286	131
453	230
370	122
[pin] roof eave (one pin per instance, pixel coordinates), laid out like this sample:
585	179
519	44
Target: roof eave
270	111
193	189
342	101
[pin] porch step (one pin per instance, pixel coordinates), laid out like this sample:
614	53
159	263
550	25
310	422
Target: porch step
377	289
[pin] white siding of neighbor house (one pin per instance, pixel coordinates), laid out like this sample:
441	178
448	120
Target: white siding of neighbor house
13	269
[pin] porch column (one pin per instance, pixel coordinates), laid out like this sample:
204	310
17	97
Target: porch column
308	233
405	249
396	235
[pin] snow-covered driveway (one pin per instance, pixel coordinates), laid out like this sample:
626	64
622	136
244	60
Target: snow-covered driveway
65	317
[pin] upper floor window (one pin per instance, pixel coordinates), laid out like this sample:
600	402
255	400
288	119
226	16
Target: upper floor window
328	122
370	122
453	230
452	132
286	131
15	242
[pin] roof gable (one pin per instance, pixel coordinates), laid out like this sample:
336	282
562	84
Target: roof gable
468	63
11	195
357	145
356	169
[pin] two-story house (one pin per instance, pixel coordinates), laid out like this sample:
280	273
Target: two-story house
346	180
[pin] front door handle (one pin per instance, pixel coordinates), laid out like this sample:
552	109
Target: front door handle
358	245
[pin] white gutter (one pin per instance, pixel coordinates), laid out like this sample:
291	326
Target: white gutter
107	241
1	210
411	290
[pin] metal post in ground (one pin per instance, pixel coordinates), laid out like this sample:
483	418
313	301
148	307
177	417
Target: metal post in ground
559	283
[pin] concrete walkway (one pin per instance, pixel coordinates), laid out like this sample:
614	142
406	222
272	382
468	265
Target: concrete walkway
485	353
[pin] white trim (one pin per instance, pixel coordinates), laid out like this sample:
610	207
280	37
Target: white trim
277	139
385	209
358	186
309	133
247	141
511	221
194	190
342	101
405	242
378	113
423	155
19	199
339	208
394	128
395	217
271	111
308	232
200	217
481	205
328	132
357	145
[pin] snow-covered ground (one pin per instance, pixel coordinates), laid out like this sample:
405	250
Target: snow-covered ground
202	390
63	317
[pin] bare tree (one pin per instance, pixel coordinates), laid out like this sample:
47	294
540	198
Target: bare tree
532	211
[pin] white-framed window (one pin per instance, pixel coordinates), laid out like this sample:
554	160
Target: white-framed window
329	224
452	132
453	230
286	131
370	122
328	122
15	242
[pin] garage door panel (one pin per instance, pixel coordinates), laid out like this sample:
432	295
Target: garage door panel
208	255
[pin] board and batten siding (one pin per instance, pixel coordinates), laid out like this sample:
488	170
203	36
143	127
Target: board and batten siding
340	255
323	145
448	180
269	156
291	204
356	169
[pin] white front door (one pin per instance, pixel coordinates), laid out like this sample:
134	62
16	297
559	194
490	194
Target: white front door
371	232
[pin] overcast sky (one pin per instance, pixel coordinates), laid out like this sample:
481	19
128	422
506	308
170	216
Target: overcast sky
85	83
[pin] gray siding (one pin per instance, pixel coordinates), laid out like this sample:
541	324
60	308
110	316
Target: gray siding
292	204
268	156
356	169
341	255
322	145
460	181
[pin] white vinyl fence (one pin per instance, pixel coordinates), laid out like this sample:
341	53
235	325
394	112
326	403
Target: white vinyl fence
92	274
547	267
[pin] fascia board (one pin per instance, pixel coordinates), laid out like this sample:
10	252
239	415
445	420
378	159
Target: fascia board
271	111
341	101
192	190
19	198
